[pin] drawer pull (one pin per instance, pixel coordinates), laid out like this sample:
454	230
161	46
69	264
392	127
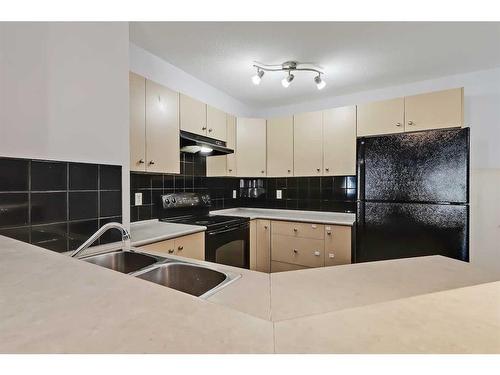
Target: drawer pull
331	255
170	251
265	226
317	253
295	230
329	233
180	248
295	251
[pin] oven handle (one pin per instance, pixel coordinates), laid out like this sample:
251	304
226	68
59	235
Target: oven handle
228	230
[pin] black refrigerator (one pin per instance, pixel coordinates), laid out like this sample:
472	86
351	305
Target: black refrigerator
413	195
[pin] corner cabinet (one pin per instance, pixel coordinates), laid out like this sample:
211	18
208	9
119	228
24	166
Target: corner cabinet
308	144
339	141
251	146
154	127
280	147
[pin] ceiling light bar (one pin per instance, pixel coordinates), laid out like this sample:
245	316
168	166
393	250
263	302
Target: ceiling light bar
288	66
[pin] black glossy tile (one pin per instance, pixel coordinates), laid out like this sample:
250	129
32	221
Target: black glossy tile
21	233
157	181
51	236
351	194
351	182
315	183
48	207
110	203
110	177
339	182
179	182
80	231
140	181
47	176
14	209
83	205
14	175
168	182
134	213
327	182
144	212
83	176
326	193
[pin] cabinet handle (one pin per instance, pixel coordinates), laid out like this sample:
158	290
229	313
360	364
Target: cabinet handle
410	122
327	169
318	169
295	251
151	162
265	226
261	171
141	161
180	248
204	128
295	230
317	253
329	233
289	170
398	124
170	251
230	170
210	130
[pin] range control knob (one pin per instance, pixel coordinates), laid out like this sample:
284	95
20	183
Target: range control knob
173	200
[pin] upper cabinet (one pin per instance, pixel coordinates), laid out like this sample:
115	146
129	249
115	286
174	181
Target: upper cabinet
280	147
193	115
231	143
385	117
154	127
251	147
339	141
216	123
308	144
434	110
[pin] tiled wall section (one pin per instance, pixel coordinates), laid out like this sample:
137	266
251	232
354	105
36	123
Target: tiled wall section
336	194
58	205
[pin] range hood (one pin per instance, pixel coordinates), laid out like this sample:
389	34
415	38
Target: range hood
193	143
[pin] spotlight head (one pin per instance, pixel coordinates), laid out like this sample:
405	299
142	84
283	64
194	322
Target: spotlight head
320	84
257	78
287	80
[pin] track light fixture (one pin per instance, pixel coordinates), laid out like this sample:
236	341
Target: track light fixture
288	66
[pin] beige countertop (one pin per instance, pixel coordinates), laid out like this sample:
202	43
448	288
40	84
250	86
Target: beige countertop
52	303
149	231
334	218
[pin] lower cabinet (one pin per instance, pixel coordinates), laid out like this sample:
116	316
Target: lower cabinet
277	246
191	246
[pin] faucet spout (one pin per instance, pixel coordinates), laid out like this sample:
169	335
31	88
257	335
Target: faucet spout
125	237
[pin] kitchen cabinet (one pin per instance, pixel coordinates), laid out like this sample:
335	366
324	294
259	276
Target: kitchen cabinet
383	117
295	229
251	147
225	165
193	115
280	147
191	246
154	127
137	107
434	110
305	252
162	129
216	123
308	144
263	246
337	245
216	166
339	141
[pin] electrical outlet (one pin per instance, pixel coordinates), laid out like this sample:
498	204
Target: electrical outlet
278	194
138	199
234	194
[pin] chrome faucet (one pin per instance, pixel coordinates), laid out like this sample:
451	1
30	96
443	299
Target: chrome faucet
100	232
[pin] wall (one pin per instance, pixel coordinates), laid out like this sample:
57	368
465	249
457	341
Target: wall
64	93
154	68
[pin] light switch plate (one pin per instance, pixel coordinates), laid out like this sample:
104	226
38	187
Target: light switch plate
138	199
234	194
278	194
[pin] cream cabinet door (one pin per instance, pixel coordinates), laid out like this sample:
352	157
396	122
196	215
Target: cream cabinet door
167	247
337	245
435	110
216	166
385	117
192	246
280	147
137	107
251	145
308	144
162	129
193	115
231	143
216	123
339	141
263	258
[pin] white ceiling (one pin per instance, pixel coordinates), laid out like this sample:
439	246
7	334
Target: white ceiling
355	56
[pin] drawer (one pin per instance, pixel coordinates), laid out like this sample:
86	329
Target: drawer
302	251
337	245
283	267
167	247
304	230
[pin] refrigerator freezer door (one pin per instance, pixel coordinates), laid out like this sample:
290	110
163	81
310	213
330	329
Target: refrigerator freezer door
393	230
429	166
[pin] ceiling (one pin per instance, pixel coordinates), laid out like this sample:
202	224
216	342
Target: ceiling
354	56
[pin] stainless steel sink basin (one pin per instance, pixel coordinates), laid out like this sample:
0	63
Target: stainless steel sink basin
122	261
188	278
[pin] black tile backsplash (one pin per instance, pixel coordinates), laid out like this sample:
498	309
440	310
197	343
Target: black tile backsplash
58	205
337	194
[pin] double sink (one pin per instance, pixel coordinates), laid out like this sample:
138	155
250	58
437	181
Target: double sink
191	278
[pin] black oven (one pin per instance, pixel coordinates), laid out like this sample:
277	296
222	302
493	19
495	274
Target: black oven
229	245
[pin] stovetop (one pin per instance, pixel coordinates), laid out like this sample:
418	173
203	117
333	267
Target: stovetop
209	221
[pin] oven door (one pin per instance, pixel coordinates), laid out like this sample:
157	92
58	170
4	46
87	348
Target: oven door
229	245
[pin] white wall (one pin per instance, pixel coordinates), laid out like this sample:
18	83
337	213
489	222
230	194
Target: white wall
64	93
156	69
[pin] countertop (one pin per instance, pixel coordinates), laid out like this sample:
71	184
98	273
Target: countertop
51	303
149	231
334	218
